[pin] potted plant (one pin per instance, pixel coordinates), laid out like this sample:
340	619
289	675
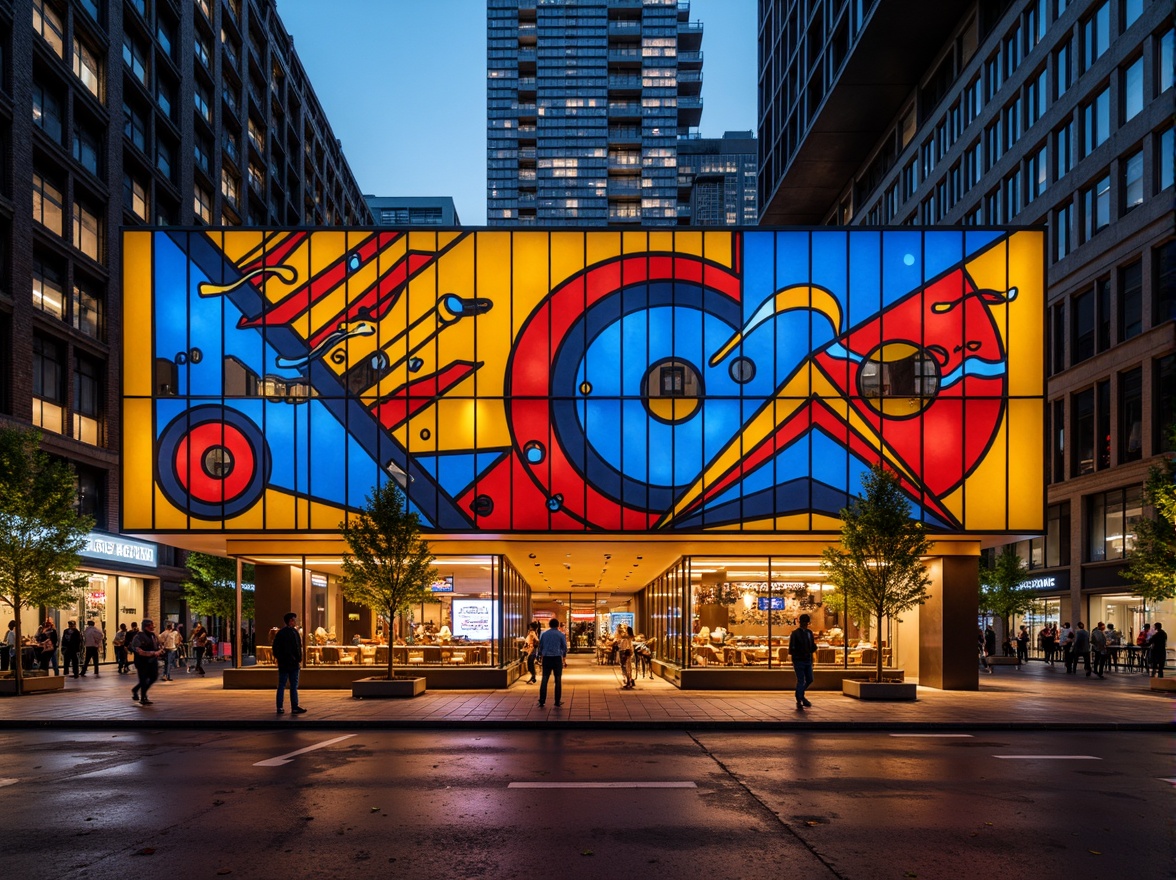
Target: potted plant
878	569
41	534
389	569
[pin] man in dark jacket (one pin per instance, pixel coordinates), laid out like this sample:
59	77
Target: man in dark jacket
802	647
287	648
145	647
71	646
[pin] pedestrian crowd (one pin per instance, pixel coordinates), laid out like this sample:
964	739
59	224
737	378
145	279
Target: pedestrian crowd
1098	650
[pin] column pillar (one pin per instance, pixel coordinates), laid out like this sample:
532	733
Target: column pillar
947	625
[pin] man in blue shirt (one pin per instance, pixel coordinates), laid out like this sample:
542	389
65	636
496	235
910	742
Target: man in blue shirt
553	652
802	647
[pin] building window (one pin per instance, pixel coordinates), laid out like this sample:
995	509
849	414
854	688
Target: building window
1163	404
47	111
165	96
202	204
1131	300
1096	206
135	196
1036	99
230	187
85	149
1036	174
1096	35
1082	432
1096	122
1164	72
48	385
1058	442
1167	158
1132	9
135	127
201	154
1111	523
48	205
1164	284
1063	72
165	36
91	495
1133	181
87	309
47	23
1057	535
135	58
87	401
1131	415
1102	314
163	159
1133	90
48	293
92	8
86	68
1102	425
1057	338
200	96
203	53
1063	150
87	231
1063	231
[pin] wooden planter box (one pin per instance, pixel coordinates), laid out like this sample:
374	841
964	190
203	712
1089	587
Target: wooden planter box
872	690
401	686
1163	684
33	684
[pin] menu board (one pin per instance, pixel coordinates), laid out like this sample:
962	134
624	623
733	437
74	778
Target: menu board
476	619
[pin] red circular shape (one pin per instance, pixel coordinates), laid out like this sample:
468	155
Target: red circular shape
190	454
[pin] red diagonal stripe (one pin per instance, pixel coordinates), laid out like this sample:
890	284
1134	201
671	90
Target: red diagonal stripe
406	401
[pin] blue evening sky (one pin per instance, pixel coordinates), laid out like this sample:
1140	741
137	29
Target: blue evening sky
403	83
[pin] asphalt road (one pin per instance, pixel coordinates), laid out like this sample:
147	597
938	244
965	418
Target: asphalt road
289	804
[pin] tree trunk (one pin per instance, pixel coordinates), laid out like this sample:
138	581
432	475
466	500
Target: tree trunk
389	630
18	658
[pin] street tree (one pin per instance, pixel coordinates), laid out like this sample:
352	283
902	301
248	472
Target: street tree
41	531
1002	586
389	568
878	569
1151	567
211	589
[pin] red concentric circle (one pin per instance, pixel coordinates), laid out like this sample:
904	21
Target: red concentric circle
215	441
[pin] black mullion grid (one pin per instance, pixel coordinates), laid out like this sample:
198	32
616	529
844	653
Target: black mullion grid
437	367
151	356
507	401
574	391
550	489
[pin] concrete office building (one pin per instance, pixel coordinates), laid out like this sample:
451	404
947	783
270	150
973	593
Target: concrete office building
121	113
585	103
717	180
1038	112
413	210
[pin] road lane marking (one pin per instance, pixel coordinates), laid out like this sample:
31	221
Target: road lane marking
1171	780
1047	757
4	782
602	785
937	735
285	759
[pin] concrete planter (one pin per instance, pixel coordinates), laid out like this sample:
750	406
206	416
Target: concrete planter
872	690
1004	661
408	686
33	684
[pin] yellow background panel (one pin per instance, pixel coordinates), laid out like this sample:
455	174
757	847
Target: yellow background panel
253	519
688	243
138	473
138	280
1026	315
985	491
168	517
1026	465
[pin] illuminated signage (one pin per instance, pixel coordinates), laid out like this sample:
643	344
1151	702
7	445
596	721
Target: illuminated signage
475	619
620	617
111	548
1048	582
444	585
770	603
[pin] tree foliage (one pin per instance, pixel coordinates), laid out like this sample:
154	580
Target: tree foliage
1002	586
211	589
1152	564
41	531
878	569
389	567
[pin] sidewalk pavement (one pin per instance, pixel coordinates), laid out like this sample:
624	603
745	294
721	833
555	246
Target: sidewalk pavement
1035	697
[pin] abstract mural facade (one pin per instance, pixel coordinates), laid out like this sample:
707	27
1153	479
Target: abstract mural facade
581	381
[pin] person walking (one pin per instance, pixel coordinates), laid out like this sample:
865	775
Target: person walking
92	639
48	639
989	646
1048	640
199	646
1141	642
1023	644
1114	641
1158	646
8	652
802	648
553	653
1066	643
1098	644
121	644
531	647
1081	648
146	649
167	643
287	651
71	646
625	653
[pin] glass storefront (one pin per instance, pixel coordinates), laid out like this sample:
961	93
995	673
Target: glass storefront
477	615
740	611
